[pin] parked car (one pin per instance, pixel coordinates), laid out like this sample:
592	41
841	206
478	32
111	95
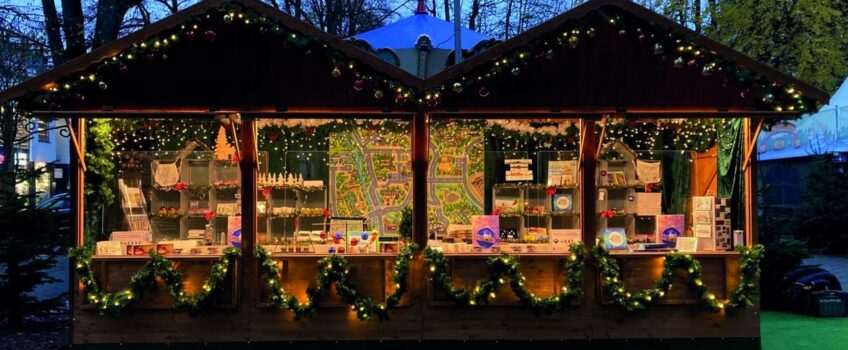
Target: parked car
61	205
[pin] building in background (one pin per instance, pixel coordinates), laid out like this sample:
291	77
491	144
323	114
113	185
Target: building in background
787	150
422	44
49	147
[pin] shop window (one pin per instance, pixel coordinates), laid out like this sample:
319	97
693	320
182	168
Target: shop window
43	130
503	186
333	186
176	185
668	185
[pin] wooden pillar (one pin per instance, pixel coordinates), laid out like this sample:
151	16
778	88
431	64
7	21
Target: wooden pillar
750	174
420	158
76	235
586	182
248	268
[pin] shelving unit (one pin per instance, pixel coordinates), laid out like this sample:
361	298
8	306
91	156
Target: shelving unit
303	211
536	208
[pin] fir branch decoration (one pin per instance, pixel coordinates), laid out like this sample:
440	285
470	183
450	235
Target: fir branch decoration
114	303
334	269
506	266
742	296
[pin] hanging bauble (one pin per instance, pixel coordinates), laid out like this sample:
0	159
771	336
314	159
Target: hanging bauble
483	92
151	57
210	35
678	62
549	54
378	94
642	38
123	69
515	71
400	99
622	33
573	41
336	72
102	85
358	84
190	35
590	32
457	87
692	63
228	18
707	70
433	102
745	93
165	57
768	98
658	49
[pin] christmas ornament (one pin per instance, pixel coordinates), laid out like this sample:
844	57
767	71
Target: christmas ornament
358	84
678	62
336	72
483	92
457	87
658	49
378	94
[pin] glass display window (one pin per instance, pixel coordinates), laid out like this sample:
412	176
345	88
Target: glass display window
503	186
175	185
669	185
333	186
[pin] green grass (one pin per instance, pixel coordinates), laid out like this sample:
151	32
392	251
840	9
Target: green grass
788	331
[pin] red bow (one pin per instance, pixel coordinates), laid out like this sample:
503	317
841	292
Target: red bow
266	192
209	215
497	211
550	191
608	213
326	212
649	188
181	186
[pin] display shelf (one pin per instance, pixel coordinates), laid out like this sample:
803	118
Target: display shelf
701	253
210	257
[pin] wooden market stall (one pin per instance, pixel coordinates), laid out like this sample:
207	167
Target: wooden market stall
269	168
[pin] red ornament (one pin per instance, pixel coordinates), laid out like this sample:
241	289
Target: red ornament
642	38
354	241
190	35
209	215
210	35
497	211
310	129
341	250
649	187
400	99
483	92
358	84
323	235
266	192
181	186
550	190
326	212
273	137
235	159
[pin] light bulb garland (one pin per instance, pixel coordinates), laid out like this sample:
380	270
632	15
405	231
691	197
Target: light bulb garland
741	297
205	27
504	267
649	138
334	269
668	45
114	303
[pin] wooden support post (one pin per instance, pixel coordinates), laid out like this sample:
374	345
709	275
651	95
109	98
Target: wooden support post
420	158
750	135
750	151
587	181
77	144
248	268
233	118
603	134
76	237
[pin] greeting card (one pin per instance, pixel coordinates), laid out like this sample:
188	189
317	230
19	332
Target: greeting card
485	232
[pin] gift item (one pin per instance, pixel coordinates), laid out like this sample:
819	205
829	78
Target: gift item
648	171
389	247
508	234
738	238
703	221
561	239
518	169
130	237
508	206
110	248
165	174
311	211
282	211
535	234
164	249
648	203
619	179
615	238
195	234
687	244
722	224
669	228
562	203
140	249
458	233
227	209
485	232
562	173
234	231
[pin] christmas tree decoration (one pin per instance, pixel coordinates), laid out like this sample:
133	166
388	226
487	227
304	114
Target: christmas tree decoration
457	87
223	150
483	91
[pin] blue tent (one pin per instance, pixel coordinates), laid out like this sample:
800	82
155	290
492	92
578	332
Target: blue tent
825	131
404	34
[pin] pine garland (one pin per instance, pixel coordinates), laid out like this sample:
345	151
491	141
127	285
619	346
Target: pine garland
742	296
506	266
334	268
114	303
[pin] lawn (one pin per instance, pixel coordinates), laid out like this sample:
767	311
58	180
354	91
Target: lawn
785	331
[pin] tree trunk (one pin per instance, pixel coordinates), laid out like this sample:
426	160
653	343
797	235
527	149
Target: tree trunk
447	10
475	11
110	15
74	28
696	15
54	36
712	11
508	19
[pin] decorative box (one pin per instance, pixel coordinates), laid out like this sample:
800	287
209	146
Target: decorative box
140	249
110	248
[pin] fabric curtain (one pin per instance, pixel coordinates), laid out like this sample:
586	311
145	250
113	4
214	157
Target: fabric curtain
731	182
676	182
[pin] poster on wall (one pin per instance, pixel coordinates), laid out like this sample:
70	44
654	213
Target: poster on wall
234	231
669	228
485	232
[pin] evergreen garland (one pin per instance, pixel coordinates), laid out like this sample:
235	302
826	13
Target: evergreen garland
334	268
742	296
113	303
506	266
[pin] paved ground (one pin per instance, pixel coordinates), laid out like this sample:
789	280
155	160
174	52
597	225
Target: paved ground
838	266
60	272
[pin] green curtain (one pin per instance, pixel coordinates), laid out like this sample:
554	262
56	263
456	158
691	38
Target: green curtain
676	182
731	181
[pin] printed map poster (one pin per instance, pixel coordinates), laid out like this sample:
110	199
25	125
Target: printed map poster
485	232
455	178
